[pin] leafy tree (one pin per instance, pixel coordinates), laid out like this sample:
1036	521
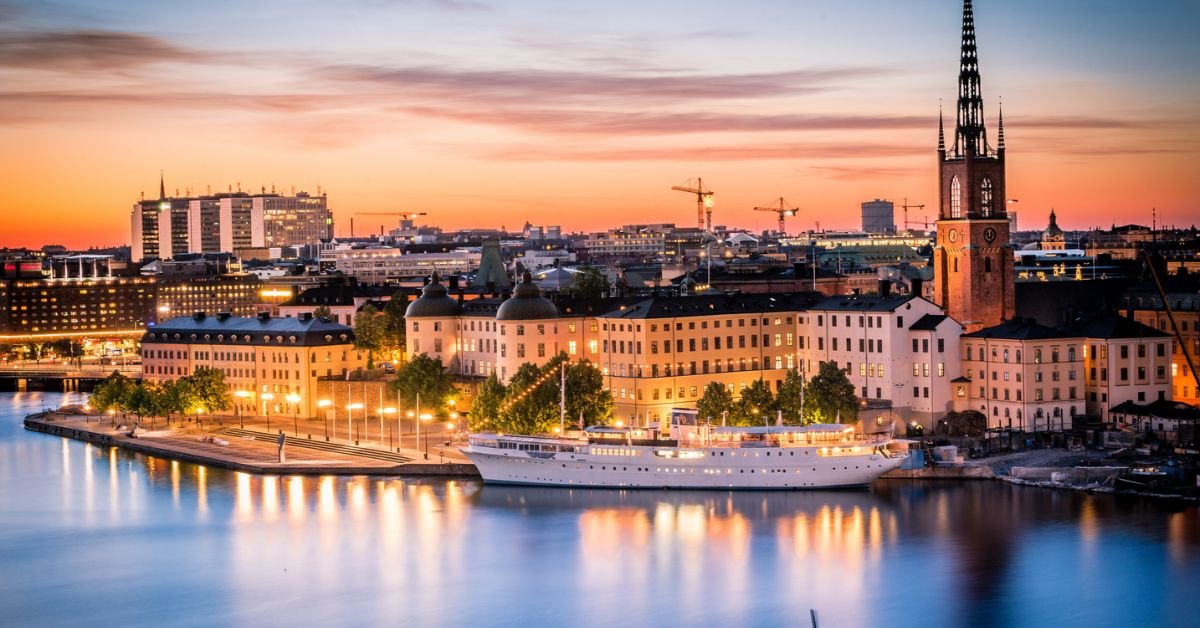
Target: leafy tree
830	395
586	394
369	332
716	401
209	388
111	393
143	400
393	324
428	377
589	283
790	396
178	396
531	405
755	403
486	407
323	311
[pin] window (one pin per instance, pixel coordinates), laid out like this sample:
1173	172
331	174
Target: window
985	197
955	198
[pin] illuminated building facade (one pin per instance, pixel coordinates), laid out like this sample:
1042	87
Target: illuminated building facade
183	295
89	304
271	364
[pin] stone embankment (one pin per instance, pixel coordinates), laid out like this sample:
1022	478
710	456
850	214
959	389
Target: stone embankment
250	450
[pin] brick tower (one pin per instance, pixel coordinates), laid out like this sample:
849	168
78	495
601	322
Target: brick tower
973	260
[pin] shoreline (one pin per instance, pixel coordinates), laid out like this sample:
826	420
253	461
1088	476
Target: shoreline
251	455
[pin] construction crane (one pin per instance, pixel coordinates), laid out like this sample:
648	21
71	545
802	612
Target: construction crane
784	210
704	202
402	215
907	207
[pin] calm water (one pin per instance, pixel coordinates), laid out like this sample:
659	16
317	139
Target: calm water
94	536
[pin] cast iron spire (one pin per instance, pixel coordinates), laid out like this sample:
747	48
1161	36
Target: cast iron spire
1000	129
970	137
162	186
941	129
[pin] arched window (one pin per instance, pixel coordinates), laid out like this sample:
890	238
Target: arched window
955	264
955	198
985	197
987	264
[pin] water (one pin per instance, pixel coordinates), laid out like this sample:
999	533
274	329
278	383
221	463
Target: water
91	535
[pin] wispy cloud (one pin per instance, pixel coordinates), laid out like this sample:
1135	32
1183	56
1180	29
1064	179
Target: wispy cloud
745	152
538	86
87	50
866	171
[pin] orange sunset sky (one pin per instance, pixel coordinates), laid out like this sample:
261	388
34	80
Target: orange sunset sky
584	114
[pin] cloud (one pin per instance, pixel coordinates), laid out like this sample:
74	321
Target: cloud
865	172
639	123
746	152
558	86
86	50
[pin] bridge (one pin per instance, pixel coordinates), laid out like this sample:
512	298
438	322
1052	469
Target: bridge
68	376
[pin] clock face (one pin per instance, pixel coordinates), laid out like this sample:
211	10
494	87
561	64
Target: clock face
989	234
952	235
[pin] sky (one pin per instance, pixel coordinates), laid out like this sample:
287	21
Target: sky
584	114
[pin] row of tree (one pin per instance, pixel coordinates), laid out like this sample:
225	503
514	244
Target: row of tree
826	398
529	404
205	390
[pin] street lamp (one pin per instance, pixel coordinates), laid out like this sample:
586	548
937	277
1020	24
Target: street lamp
350	420
425	417
267	397
294	399
324	404
199	413
386	411
241	395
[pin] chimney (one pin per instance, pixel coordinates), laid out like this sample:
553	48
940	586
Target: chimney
453	280
885	288
264	316
197	316
306	316
917	284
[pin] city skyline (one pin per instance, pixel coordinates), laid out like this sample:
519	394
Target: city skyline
489	115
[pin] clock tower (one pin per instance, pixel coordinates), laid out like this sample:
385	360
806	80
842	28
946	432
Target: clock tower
972	258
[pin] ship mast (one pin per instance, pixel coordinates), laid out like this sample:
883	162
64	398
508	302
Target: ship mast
562	400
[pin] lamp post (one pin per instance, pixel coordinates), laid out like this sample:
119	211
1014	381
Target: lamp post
294	399
382	412
324	404
412	415
241	395
426	417
199	413
350	420
266	398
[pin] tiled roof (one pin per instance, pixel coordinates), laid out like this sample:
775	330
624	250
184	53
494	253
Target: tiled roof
263	330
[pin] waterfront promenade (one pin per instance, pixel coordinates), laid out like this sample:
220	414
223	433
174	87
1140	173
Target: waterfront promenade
247	445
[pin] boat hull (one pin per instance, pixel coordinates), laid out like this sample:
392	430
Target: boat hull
762	469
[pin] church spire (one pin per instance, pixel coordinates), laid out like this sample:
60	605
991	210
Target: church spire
1000	129
941	129
162	186
970	136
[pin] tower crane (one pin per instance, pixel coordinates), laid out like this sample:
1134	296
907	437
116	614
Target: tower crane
784	210
907	207
704	202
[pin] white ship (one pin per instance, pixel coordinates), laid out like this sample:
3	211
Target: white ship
690	456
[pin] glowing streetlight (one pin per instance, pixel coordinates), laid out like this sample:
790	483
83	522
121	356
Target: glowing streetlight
267	397
294	399
386	412
325	404
350	420
424	417
242	395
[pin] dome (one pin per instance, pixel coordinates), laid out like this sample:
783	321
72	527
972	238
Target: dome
527	303
435	300
1052	232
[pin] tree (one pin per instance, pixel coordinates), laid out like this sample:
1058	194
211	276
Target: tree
486	408
324	312
427	377
177	396
789	400
111	393
715	403
755	403
531	405
369	332
393	325
209	388
830	396
589	283
586	394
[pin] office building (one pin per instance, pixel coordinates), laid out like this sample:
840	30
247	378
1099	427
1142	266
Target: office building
878	216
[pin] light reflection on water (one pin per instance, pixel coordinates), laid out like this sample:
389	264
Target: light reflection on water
121	539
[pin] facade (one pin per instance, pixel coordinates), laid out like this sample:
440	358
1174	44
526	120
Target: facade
182	295
378	266
660	352
343	300
621	243
1053	238
226	222
878	216
75	305
973	262
275	362
1144	305
1030	377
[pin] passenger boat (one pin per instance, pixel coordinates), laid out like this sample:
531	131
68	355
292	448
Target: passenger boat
688	456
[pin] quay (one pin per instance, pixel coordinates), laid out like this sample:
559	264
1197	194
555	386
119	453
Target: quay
250	448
